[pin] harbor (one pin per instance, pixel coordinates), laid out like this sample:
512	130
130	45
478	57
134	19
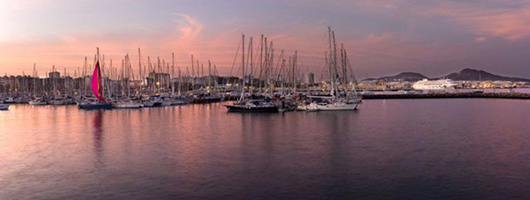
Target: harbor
264	99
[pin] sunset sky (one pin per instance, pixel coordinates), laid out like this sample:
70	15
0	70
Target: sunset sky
382	37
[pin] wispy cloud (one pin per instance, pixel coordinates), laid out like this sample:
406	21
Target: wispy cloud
189	27
509	22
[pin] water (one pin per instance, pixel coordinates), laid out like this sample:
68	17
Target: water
388	149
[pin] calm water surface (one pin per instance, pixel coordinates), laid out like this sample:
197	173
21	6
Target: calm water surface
388	149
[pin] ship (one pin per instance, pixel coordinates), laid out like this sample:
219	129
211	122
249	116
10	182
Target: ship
440	84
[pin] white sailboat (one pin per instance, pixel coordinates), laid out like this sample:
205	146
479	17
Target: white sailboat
127	102
338	100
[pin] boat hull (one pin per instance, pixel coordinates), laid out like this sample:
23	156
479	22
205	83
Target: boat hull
178	102
166	103
129	106
4	107
337	107
328	107
37	103
56	102
152	104
95	106
208	100
242	108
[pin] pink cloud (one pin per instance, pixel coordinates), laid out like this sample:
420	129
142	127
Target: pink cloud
508	23
480	39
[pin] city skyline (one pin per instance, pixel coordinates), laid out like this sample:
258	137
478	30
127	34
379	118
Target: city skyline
381	37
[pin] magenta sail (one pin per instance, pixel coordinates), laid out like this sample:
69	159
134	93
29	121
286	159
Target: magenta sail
96	82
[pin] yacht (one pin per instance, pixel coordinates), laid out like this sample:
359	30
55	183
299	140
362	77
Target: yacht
253	105
250	105
4	106
340	98
93	105
128	104
326	103
38	101
9	100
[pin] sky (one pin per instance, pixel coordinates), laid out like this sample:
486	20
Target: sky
382	37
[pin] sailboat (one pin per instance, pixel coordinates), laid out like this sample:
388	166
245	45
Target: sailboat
250	105
36	100
97	89
127	102
338	100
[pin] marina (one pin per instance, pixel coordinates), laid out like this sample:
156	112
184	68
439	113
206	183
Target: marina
264	99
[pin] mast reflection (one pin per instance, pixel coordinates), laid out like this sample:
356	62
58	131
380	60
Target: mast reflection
98	137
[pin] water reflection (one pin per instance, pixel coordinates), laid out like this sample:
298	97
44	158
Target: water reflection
404	149
97	127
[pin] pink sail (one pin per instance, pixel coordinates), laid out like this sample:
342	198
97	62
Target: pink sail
96	82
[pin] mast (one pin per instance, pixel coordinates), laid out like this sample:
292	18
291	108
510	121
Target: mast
122	79
242	97
266	64
250	48
139	72
294	70
129	75
271	63
83	94
158	76
209	74
192	76
148	74
172	74
260	63
139	65
330	63
180	83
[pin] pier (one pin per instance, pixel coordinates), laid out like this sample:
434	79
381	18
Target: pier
504	95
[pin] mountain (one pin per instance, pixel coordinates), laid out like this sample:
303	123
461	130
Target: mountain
466	74
476	75
403	76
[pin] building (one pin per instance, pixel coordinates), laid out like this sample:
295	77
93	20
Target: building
311	78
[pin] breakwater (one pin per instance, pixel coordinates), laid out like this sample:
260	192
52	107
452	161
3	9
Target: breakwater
506	95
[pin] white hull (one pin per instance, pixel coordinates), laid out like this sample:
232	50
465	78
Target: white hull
339	106
37	103
128	105
309	107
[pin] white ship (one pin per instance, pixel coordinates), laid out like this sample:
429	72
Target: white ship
440	84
